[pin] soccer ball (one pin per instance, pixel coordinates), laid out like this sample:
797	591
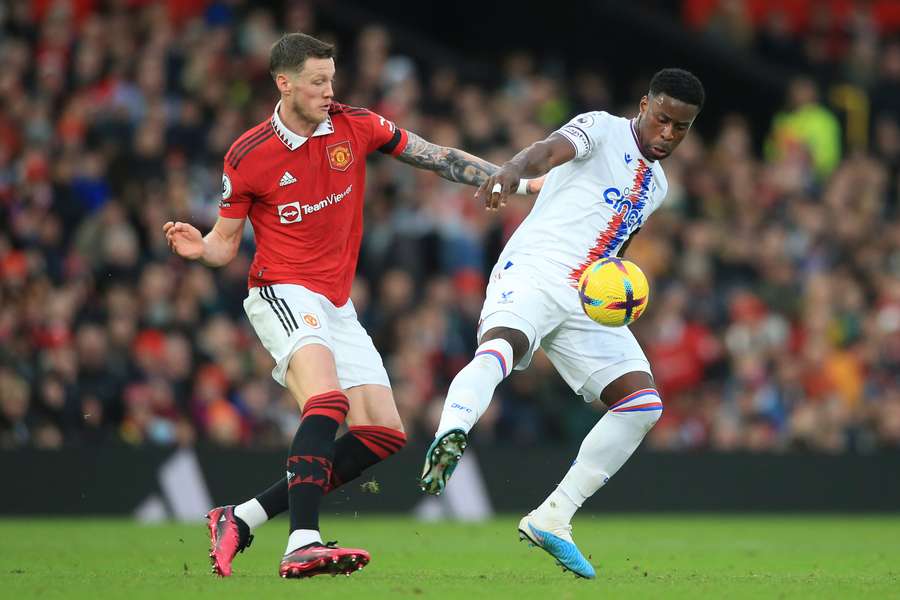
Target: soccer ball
614	292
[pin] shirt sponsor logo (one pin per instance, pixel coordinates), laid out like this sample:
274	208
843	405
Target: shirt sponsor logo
326	201
340	155
622	204
311	320
290	213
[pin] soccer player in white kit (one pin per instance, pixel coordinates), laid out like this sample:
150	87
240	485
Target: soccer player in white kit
604	181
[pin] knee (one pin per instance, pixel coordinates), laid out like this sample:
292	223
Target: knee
517	340
646	404
655	413
654	416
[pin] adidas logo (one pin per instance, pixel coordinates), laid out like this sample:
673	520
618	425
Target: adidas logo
287	179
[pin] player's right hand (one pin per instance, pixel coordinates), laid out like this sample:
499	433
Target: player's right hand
494	197
184	239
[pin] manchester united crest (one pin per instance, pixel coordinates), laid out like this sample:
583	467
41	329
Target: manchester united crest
340	156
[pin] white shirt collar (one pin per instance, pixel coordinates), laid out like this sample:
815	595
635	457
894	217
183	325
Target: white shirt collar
291	139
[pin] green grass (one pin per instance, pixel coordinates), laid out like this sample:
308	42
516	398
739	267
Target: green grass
637	556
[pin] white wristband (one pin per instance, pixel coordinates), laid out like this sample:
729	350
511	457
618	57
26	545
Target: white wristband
522	190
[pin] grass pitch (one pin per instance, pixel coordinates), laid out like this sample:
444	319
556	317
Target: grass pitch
636	556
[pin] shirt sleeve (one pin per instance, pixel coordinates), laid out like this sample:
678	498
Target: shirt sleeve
236	195
586	132
385	136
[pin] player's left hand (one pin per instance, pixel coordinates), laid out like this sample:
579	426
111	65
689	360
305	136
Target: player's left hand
498	187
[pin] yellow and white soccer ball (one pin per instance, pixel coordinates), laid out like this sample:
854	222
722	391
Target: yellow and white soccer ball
613	291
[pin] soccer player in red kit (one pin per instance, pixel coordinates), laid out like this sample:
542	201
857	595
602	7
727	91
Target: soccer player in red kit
299	177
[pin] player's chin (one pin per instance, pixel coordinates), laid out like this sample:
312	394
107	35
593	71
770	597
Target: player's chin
659	153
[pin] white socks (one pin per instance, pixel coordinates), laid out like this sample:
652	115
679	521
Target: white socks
604	450
300	538
252	513
473	387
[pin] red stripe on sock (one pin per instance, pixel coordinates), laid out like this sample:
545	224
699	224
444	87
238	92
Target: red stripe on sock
333	405
381	449
382	441
298	479
391	436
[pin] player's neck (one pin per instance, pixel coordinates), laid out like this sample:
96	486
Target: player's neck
635	127
294	121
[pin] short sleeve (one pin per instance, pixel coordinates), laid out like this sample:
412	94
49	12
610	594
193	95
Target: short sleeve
585	132
236	195
385	136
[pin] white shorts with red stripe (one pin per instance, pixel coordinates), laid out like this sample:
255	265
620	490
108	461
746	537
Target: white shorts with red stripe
287	317
524	294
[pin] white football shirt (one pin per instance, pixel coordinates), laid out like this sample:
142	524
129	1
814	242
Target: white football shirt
589	206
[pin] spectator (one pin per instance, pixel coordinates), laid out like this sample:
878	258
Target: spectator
774	321
806	129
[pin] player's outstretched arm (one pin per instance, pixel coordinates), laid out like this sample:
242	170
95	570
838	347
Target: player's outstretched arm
449	163
534	161
216	249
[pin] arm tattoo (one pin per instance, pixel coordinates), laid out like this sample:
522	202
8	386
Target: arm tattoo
449	163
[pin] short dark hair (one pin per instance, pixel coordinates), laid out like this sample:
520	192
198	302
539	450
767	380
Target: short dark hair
680	85
291	51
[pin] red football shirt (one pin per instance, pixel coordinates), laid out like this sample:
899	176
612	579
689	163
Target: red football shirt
304	196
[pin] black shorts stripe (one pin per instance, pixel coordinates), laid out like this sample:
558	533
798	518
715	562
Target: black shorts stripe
239	158
247	140
285	308
391	144
288	310
263	293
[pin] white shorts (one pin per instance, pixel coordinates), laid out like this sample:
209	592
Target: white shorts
287	317
541	304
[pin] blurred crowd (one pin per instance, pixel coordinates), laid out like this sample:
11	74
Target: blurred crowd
774	321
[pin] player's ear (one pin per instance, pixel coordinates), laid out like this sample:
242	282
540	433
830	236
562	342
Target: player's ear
283	83
645	101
